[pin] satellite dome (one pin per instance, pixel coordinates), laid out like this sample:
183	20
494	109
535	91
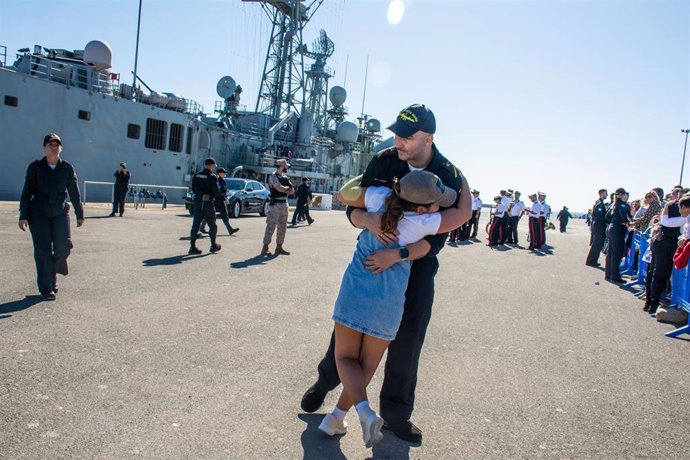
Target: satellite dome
373	125
98	54
347	132
226	87
337	95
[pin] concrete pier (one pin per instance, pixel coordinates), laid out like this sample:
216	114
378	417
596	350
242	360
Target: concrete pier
150	353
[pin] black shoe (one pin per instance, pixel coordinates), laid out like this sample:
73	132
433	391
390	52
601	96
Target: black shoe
617	281
215	248
313	398
404	429
593	265
194	251
232	231
112	214
311	221
49	296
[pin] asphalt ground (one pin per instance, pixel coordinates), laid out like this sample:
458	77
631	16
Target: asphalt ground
149	353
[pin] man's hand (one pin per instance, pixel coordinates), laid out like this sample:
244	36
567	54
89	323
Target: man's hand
382	260
23	224
372	222
80	222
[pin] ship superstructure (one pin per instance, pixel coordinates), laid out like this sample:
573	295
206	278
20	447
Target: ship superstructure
164	137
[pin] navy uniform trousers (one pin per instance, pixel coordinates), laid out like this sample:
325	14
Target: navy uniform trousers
400	380
50	232
204	210
598	238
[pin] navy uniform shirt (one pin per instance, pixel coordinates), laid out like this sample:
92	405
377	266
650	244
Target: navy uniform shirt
205	183
122	179
599	212
620	213
46	185
386	166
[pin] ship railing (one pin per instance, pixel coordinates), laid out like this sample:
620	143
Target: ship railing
3	56
103	191
76	75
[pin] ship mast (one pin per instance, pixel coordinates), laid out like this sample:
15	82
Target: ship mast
282	82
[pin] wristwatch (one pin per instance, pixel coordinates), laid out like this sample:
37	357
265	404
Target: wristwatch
404	253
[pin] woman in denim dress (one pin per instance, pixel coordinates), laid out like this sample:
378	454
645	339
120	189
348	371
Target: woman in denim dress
369	306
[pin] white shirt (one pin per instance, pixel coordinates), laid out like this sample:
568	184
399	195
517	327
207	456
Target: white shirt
476	204
505	201
518	207
543	208
500	210
412	227
536	209
676	222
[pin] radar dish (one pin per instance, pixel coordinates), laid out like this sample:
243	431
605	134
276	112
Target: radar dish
337	95
226	87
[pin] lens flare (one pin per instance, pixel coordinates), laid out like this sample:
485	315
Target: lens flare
396	11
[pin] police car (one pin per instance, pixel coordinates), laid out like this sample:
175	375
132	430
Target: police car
244	195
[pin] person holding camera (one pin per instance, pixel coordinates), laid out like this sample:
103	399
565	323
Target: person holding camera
122	176
280	187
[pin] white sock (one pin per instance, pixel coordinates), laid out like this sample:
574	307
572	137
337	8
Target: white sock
362	407
338	413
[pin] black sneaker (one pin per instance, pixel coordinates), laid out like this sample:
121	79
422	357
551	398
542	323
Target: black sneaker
313	398
49	296
215	248
194	251
404	429
233	231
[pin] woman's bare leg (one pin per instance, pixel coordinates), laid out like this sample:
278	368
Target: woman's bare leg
357	356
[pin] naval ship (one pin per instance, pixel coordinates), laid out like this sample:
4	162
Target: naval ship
164	137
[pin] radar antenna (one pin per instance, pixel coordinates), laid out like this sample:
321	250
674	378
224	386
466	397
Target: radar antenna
282	82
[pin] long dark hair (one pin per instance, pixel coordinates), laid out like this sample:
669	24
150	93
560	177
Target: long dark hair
393	209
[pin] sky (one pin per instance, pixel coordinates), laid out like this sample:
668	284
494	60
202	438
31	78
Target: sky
563	97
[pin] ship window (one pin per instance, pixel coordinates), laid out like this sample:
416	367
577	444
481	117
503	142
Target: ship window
176	133
133	131
155	133
14	102
84	115
188	148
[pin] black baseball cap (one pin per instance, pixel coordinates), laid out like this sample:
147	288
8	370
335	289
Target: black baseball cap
621	191
50	138
220	170
416	117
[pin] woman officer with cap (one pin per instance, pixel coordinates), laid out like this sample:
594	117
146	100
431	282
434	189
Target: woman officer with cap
43	208
620	217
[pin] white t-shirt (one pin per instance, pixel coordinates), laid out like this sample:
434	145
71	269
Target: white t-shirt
412	227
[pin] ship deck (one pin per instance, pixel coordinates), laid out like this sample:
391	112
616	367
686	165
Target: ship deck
150	353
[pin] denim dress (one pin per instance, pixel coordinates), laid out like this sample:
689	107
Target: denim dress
373	303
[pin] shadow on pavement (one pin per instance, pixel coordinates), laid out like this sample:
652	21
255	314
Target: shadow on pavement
173	260
19	305
318	445
256	260
98	217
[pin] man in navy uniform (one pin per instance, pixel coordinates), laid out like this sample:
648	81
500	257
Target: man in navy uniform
122	177
598	229
476	213
414	148
205	189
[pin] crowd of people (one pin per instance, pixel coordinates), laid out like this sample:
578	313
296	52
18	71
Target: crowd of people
504	219
660	219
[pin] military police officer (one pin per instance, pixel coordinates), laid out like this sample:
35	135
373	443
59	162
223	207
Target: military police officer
221	202
205	189
280	187
122	177
598	229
